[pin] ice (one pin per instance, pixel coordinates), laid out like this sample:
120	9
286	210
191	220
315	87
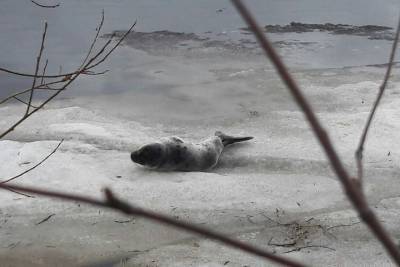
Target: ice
281	174
278	185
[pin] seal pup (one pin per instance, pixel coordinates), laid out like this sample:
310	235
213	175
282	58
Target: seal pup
173	154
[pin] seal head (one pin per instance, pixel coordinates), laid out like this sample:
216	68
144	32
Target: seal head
151	155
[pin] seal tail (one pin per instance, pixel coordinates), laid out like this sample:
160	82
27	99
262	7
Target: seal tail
228	140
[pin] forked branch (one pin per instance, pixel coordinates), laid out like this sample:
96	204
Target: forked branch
382	87
352	190
66	79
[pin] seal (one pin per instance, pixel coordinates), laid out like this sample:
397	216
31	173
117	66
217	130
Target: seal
174	154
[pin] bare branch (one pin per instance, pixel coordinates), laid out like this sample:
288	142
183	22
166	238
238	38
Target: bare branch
342	225
114	203
33	167
22	101
94	40
19	193
70	78
353	192
78	71
45	6
37	68
308	246
96	73
45	219
115	46
44	72
60	75
363	138
38	87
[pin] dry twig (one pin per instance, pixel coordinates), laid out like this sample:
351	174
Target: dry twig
363	138
33	167
287	244
353	192
37	68
43	73
45	6
67	79
98	29
308	246
19	193
45	219
45	86
112	202
342	225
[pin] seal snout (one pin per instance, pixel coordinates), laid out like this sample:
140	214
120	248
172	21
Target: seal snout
135	156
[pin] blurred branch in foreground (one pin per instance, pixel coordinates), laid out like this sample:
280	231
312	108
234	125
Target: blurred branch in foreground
382	87
353	191
113	202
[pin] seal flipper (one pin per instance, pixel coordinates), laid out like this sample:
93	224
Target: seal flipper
228	140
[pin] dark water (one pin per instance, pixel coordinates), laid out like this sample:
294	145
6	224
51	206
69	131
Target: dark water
157	68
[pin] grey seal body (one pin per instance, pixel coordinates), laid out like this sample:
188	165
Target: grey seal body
173	154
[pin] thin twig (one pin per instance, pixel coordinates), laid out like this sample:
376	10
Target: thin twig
78	71
353	192
341	225
114	203
72	78
38	87
60	75
45	6
19	193
308	246
44	72
288	244
37	67
33	167
94	40
117	44
96	73
45	219
363	137
275	221
24	102
125	221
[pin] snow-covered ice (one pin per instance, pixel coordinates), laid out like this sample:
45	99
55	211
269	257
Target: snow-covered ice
280	177
273	190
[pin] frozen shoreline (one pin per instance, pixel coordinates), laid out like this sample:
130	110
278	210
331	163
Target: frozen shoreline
282	175
277	191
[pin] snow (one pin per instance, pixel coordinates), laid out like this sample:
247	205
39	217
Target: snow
282	174
278	185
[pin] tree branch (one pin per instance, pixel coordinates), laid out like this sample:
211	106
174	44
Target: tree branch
23	102
353	192
33	167
91	63
38	87
363	138
98	29
37	68
45	6
44	72
112	202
